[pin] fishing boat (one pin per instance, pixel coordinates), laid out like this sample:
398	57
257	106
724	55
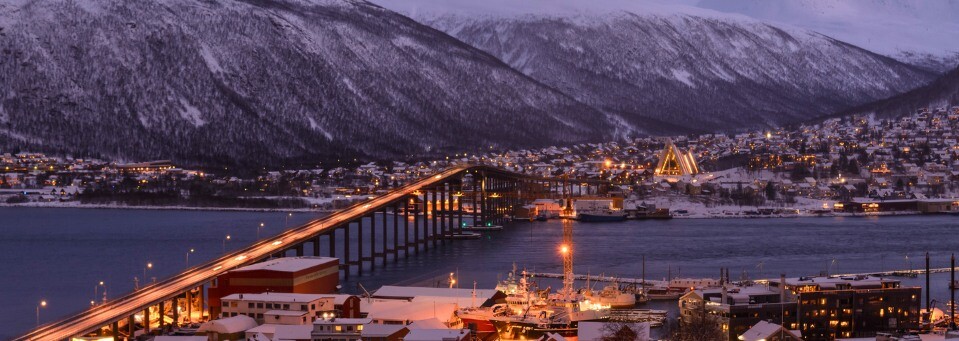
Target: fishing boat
537	320
465	235
541	217
657	293
530	313
477	320
613	297
601	216
484	228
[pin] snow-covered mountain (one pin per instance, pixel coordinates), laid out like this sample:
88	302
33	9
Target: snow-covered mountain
922	32
943	92
256	82
663	68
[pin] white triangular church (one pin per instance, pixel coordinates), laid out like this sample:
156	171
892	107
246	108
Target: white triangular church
675	163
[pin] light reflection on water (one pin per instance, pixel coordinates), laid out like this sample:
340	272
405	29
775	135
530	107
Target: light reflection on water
59	254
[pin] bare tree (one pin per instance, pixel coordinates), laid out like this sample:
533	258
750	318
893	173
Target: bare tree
618	331
694	327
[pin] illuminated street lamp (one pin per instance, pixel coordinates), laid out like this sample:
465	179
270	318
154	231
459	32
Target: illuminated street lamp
224	242
96	292
258	231
287	223
43	304
148	267
188	257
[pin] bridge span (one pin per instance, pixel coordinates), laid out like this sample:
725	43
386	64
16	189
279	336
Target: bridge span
432	208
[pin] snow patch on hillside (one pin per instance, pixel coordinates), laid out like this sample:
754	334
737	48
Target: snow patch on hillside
191	113
211	62
319	128
684	76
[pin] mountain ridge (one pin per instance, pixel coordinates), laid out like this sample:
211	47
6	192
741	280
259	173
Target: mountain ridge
259	82
701	70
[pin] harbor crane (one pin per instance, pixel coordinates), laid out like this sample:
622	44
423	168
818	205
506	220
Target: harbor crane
566	249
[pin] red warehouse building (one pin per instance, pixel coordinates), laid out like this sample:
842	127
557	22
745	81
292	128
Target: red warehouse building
299	275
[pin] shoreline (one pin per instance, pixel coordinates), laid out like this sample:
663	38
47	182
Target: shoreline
52	205
179	208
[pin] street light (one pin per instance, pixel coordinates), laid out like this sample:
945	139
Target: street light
224	242
43	304
149	266
287	223
97	293
188	257
258	231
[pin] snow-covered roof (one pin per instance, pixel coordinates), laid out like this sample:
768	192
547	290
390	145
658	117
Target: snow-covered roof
179	338
430	323
765	330
436	334
288	264
380	330
276	297
389	291
293	332
340	320
409	311
229	325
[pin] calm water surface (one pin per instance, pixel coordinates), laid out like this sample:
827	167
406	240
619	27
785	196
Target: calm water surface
60	254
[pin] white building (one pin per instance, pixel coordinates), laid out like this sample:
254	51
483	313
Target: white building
339	329
279	308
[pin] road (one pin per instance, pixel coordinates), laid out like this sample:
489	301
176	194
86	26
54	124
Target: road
120	308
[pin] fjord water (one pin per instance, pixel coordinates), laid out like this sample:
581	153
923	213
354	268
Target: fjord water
60	254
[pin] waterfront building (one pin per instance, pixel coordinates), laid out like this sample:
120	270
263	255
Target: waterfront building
287	308
737	308
405	312
300	275
859	306
339	329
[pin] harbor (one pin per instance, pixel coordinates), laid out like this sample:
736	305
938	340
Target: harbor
604	253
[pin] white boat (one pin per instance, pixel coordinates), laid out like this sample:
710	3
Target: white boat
613	297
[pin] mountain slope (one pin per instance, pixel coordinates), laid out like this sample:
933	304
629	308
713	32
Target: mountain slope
671	69
255	82
944	91
917	32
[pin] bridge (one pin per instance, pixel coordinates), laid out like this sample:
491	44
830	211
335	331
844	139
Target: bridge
433	208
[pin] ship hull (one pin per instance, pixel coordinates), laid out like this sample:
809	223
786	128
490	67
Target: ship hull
600	218
515	331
